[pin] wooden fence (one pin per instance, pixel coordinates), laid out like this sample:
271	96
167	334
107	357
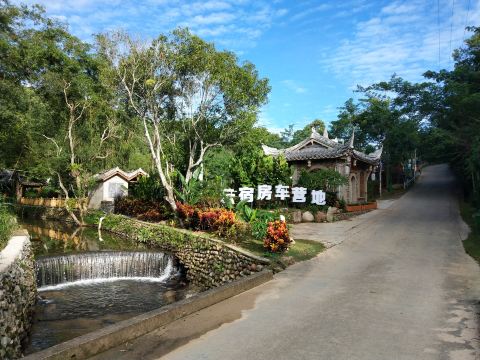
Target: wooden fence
53	202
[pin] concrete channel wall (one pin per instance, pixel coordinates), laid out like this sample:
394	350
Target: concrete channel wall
17	294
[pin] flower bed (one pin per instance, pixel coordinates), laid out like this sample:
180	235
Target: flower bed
361	207
218	220
142	209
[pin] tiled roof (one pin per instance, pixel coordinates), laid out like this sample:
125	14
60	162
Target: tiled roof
321	147
107	174
372	159
315	153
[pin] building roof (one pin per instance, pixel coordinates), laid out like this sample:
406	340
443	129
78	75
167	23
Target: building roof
318	147
116	171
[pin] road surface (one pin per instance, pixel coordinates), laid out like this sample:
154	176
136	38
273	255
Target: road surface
399	287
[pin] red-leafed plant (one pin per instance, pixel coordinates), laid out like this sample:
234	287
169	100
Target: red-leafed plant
184	211
277	239
142	209
209	219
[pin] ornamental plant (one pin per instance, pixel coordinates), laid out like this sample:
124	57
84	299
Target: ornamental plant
277	239
209	219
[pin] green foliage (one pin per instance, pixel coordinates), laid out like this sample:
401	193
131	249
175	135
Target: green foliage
49	191
246	212
321	179
260	223
455	115
31	193
147	188
189	192
7	224
472	217
291	137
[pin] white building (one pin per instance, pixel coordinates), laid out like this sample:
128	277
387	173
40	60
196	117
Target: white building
111	184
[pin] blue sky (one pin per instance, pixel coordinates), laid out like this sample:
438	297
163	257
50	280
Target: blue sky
313	52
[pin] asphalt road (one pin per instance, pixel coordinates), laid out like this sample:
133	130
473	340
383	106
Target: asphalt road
399	287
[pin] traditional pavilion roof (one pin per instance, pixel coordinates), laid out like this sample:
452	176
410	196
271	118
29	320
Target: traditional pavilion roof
319	147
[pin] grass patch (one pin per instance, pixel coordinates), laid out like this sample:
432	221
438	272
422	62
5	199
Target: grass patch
472	217
300	251
7	225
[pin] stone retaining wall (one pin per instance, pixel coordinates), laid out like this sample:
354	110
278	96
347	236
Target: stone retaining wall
209	262
17	294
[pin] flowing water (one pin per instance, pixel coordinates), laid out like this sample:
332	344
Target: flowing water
85	283
64	271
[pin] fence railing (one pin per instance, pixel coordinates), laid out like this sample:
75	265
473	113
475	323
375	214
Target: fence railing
53	202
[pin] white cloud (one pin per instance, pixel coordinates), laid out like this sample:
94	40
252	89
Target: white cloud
213	18
294	86
235	24
403	38
309	11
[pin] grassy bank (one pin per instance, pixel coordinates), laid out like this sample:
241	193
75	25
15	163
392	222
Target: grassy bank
300	251
472	217
7	225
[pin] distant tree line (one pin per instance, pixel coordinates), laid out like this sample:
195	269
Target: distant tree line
177	106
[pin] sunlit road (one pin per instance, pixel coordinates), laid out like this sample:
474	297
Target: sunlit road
399	287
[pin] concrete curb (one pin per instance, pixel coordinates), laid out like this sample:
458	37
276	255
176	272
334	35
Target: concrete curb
101	340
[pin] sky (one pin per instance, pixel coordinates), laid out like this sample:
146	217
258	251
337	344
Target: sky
314	53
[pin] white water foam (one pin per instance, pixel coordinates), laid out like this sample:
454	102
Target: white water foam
168	272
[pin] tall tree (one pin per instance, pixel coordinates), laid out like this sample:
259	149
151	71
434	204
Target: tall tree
456	113
187	95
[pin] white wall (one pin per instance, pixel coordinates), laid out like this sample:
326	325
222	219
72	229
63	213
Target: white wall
103	192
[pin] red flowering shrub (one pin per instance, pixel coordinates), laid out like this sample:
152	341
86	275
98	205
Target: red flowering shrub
277	239
210	219
225	221
151	215
184	211
142	209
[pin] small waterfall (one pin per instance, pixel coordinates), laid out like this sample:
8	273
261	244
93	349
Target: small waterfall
76	269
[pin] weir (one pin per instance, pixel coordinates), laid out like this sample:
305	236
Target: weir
103	266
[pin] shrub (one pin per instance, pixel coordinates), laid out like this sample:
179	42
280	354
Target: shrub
260	224
322	179
151	215
277	239
224	222
218	220
148	188
142	209
184	211
7	225
31	193
49	191
246	212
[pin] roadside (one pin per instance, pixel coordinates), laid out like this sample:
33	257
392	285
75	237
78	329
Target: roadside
402	285
334	233
472	217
